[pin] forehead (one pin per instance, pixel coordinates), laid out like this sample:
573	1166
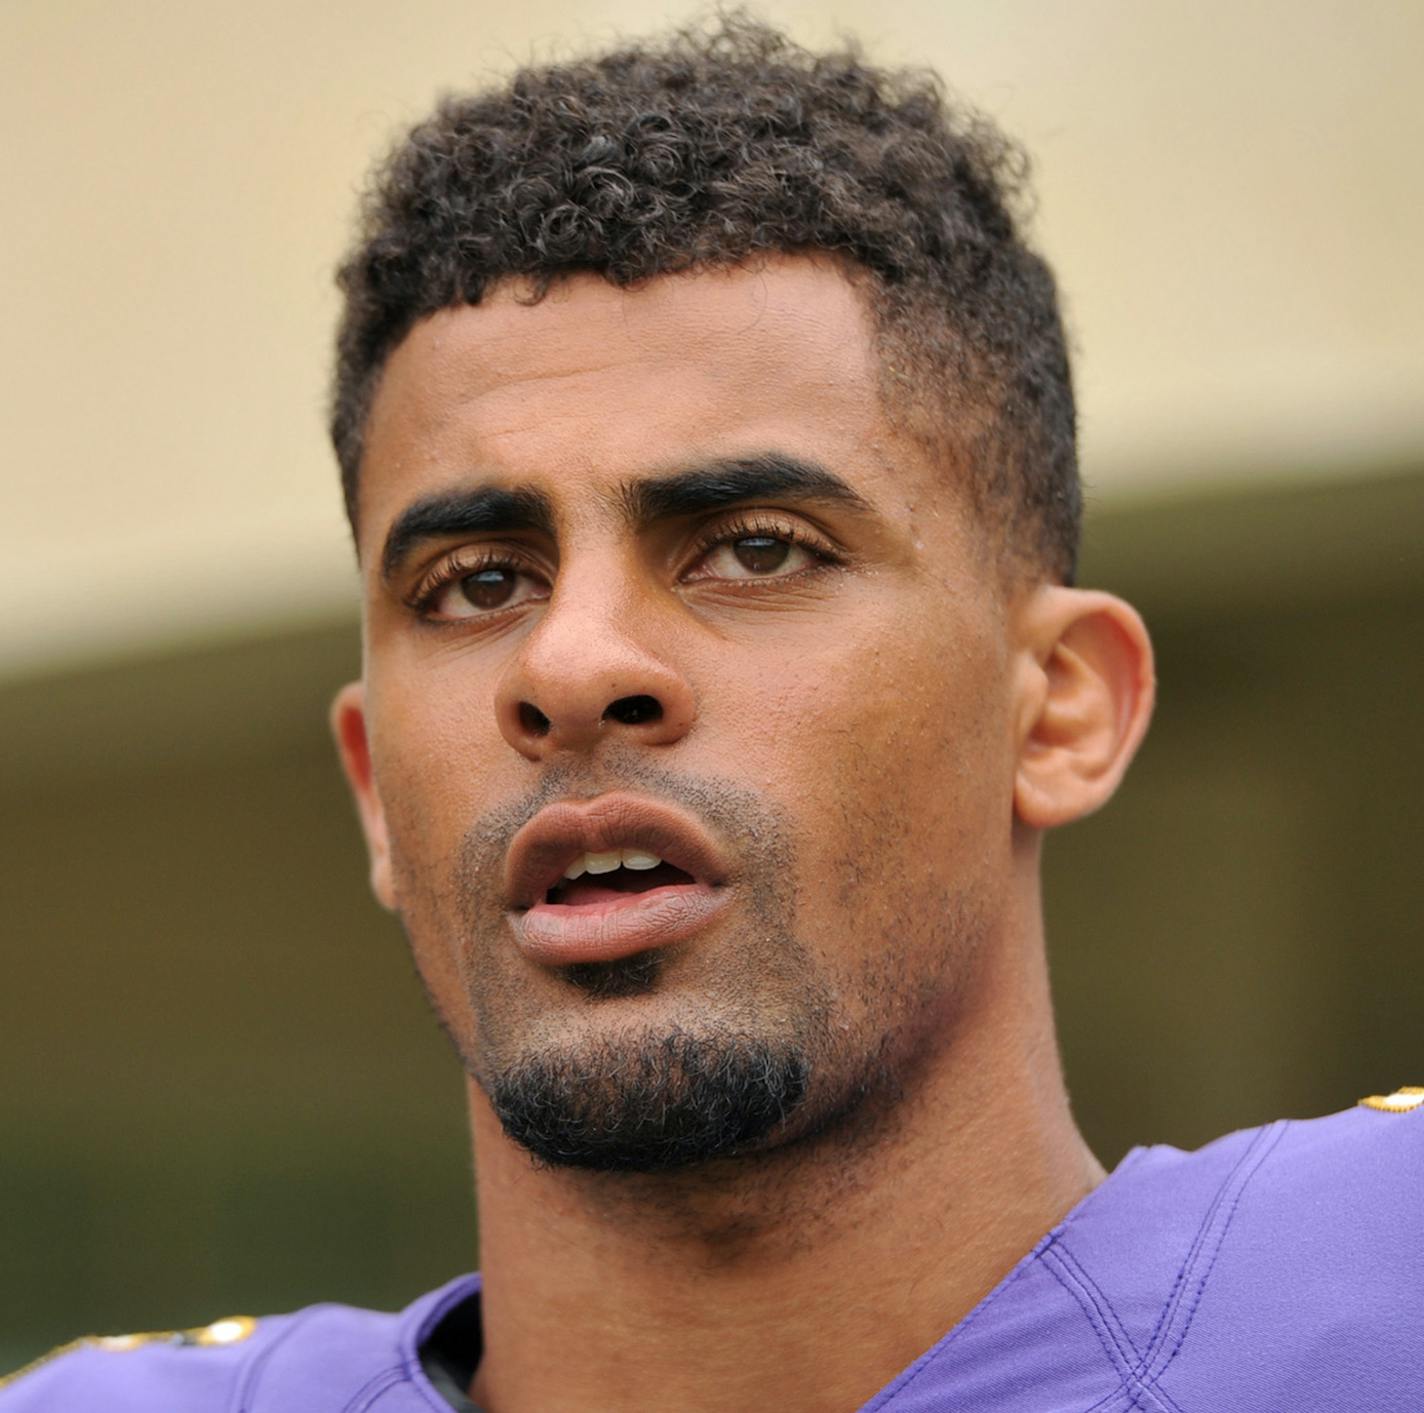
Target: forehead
594	383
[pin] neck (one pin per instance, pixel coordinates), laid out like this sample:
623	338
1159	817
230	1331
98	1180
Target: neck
805	1279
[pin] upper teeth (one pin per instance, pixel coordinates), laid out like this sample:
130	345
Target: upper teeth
608	861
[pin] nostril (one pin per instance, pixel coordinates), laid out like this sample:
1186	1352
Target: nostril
533	720
632	711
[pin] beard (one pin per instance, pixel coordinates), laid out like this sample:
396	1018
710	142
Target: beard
672	1099
735	1045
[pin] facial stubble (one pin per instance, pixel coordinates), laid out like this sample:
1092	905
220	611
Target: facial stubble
730	1045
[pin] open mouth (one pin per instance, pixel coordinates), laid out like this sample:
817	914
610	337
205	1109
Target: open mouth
598	878
595	880
608	906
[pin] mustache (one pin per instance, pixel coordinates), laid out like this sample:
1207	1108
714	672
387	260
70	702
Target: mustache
742	816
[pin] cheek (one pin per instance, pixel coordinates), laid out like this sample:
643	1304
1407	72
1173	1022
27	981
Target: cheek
893	696
431	765
433	742
433	746
887	744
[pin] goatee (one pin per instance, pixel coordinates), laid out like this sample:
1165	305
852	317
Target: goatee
668	1100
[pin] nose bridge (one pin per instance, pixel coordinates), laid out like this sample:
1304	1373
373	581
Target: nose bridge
585	641
593	666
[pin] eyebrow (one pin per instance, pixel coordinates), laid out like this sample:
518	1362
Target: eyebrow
691	490
482	510
711	485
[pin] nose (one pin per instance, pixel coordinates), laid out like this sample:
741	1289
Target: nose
585	674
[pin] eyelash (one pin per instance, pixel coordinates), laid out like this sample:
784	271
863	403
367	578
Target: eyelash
463	563
749	526
459	565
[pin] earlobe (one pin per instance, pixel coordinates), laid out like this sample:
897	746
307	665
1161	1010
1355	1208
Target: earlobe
1086	694
348	726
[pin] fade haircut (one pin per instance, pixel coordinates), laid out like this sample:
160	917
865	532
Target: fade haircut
713	147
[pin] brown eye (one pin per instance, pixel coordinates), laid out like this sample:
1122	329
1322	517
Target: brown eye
484	591
761	554
490	588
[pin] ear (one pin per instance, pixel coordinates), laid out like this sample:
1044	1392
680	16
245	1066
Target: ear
1086	689
348	725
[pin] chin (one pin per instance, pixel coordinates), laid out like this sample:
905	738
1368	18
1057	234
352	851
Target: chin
651	1099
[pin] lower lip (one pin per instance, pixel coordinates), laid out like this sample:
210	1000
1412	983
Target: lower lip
558	936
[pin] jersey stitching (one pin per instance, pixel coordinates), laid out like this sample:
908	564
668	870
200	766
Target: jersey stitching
378	1384
1148	1400
1086	1295
1260	1151
252	1372
1131	1372
1141	1379
1127	1396
1120	1397
1169	1306
1090	1300
1188	1261
1203	1239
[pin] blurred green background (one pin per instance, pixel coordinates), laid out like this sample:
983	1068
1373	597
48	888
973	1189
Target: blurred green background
220	1090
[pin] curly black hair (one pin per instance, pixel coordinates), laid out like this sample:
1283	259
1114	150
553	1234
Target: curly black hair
705	149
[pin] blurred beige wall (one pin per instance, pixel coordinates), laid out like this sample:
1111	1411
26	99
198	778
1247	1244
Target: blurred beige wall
1231	193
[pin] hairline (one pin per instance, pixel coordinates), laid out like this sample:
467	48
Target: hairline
902	385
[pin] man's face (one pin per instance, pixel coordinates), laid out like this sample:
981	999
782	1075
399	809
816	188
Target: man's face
724	616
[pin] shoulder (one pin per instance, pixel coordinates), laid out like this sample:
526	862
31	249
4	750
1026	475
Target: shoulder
313	1359
1351	1177
1285	1263
1298	1193
1278	1268
1327	1236
195	1368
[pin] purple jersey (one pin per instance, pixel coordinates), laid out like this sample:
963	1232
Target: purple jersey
1277	1270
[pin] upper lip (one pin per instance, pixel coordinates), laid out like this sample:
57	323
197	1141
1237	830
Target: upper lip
563	832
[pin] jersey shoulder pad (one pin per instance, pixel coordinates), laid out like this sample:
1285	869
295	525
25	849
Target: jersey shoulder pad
192	1369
